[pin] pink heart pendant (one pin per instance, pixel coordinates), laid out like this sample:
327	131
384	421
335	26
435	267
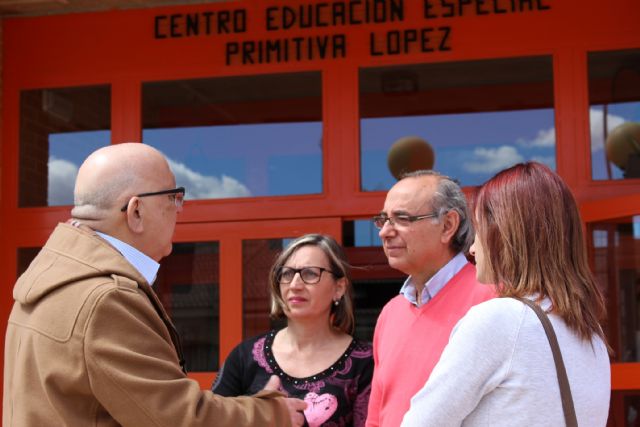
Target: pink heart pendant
319	408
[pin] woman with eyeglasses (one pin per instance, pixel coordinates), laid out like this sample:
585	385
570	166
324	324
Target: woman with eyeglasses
314	355
498	368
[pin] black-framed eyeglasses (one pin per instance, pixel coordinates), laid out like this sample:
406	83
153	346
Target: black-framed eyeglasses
401	220
175	194
309	275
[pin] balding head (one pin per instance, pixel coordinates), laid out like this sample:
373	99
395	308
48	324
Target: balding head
110	178
113	173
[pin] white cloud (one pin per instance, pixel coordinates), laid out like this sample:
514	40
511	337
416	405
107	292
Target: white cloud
544	138
597	127
547	137
62	178
207	187
547	160
491	160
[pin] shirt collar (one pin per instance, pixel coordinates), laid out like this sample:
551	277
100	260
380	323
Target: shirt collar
145	265
436	282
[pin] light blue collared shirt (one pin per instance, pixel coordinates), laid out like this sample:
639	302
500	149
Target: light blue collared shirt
437	281
145	265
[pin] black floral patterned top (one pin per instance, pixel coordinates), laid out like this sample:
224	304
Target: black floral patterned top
337	396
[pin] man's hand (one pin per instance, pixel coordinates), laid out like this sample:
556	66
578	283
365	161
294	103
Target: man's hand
295	406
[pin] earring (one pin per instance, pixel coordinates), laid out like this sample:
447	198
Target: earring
336	302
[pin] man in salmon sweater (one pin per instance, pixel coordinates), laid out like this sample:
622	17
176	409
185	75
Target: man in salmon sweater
425	230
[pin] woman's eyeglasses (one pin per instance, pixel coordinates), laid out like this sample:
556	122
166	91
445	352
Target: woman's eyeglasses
309	275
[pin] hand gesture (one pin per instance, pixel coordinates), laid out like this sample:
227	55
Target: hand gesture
295	406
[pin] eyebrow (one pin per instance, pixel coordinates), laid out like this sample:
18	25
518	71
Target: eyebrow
400	212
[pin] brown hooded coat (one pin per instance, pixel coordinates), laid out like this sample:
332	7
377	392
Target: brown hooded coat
86	347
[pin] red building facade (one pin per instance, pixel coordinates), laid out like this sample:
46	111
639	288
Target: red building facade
278	118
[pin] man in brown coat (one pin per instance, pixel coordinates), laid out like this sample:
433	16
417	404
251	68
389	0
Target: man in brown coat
88	342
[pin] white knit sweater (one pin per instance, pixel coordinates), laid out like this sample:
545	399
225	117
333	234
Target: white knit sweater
498	370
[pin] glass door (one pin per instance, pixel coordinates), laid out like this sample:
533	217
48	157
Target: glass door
614	249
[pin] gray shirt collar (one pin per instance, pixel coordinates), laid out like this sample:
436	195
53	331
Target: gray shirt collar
436	282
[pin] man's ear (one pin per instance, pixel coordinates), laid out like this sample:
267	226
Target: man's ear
134	216
450	225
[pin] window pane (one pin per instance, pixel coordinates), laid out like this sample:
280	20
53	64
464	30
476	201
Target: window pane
25	256
614	114
615	246
374	282
624	410
257	258
370	296
59	128
477	117
239	136
188	286
360	233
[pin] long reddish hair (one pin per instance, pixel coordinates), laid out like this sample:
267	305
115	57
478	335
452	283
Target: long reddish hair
528	223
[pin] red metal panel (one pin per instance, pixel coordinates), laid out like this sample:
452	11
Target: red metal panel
625	376
126	111
230	294
118	48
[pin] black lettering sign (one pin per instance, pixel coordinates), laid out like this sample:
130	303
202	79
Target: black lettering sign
339	14
319	13
428	14
285	50
445	32
397	42
449	7
480	10
373	51
325	14
175	24
497	9
159	22
526	5
300	46
542	6
200	24
271	17
432	9
425	40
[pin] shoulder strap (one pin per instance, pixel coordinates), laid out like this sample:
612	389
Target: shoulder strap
565	390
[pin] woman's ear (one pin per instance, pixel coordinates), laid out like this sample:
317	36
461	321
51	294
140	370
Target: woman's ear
341	288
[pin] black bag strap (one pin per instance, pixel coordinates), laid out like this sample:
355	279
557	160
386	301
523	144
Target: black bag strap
565	390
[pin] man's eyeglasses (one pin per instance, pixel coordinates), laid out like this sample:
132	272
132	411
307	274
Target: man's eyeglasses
175	194
401	220
309	275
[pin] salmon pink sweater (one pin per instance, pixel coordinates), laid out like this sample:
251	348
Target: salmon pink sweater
408	341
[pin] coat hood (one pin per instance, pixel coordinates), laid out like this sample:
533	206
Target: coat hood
71	254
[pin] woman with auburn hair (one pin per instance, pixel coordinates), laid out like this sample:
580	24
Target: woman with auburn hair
315	355
498	368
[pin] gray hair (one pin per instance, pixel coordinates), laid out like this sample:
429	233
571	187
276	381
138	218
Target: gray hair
93	201
449	197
